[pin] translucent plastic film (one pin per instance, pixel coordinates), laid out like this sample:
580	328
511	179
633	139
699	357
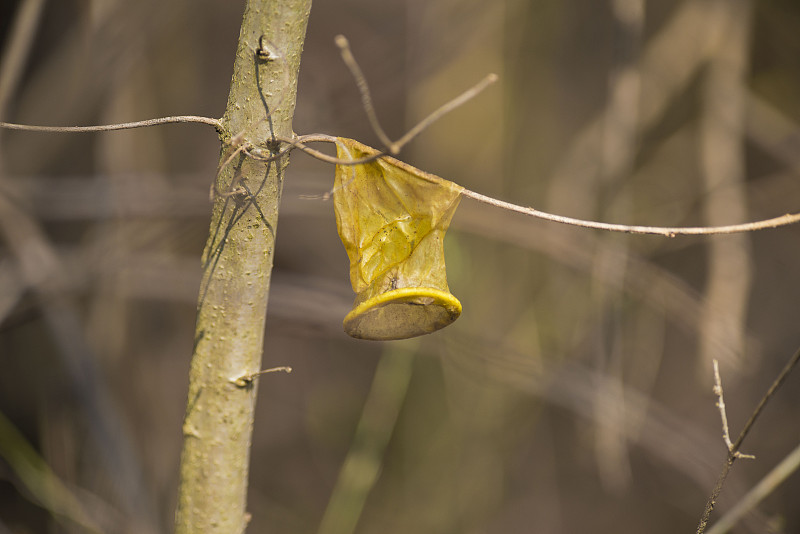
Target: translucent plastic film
392	219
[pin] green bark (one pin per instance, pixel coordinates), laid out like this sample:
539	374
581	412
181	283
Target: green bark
237	264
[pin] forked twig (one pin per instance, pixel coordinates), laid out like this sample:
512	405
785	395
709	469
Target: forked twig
765	486
394	147
736	445
726	435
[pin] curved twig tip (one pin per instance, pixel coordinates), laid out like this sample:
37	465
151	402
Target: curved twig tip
341	41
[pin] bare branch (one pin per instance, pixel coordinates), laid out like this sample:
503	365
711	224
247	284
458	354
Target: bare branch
787	369
18	47
667	231
463	98
765	486
394	147
109	127
726	435
726	467
363	88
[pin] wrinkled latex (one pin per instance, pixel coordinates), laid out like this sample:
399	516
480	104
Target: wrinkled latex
392	219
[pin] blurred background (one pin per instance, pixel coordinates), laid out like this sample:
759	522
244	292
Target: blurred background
575	392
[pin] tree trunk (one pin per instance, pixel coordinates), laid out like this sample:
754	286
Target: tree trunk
237	265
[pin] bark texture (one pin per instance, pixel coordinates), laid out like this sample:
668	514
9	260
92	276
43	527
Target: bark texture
237	264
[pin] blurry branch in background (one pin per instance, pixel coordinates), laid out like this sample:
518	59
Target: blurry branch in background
773	131
12	63
733	448
669	64
13	59
40	483
364	460
578	388
646	423
643	280
721	130
41	270
619	146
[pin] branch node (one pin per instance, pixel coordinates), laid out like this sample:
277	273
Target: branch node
734	454
264	52
726	435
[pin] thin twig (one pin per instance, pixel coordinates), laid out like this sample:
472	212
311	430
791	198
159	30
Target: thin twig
667	231
215	184
300	141
464	97
765	486
767	396
18	47
394	147
712	499
363	88
247	379
726	435
216	123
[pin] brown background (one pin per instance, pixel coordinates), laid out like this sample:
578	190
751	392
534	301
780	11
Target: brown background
574	393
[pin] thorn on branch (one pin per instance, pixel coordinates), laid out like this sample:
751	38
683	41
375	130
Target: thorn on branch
246	380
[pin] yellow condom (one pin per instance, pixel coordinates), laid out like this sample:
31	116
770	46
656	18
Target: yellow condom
392	219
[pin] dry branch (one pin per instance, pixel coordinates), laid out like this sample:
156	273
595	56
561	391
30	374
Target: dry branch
733	448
